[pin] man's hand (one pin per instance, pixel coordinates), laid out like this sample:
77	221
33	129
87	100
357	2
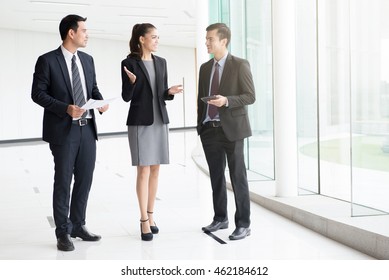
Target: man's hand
103	109
75	112
219	101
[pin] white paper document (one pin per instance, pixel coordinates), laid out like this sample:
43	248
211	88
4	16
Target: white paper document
93	104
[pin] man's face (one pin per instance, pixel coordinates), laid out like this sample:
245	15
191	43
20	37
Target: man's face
80	38
214	44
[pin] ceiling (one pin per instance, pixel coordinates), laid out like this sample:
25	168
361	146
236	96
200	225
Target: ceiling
108	19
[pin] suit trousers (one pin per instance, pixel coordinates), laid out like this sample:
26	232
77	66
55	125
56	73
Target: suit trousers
217	149
76	157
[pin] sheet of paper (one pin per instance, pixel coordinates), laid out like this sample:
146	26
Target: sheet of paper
93	104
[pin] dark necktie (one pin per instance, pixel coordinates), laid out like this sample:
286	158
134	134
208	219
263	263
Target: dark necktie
78	94
212	110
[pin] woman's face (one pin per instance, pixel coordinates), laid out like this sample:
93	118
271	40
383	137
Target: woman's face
149	42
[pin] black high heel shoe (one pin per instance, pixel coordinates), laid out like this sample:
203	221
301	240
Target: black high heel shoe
145	236
154	229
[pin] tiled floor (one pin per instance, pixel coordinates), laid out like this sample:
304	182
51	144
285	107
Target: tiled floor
184	205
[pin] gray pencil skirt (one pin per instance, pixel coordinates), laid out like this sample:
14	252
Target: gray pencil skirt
149	145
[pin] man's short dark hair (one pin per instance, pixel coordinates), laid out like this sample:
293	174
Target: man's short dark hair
223	31
67	23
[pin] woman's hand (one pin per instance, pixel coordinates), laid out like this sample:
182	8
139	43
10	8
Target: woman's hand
130	75
175	89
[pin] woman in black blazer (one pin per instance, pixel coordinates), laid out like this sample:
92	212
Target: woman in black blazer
144	83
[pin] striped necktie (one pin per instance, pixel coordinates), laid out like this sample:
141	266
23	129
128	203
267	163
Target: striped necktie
78	94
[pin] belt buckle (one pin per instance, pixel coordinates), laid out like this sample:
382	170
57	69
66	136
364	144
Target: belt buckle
216	124
82	122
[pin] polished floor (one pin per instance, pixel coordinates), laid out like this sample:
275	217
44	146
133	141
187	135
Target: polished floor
183	206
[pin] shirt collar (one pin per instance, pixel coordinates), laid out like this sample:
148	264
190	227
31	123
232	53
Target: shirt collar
222	61
68	55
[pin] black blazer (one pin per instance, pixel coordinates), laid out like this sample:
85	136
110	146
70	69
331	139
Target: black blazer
52	89
140	94
237	85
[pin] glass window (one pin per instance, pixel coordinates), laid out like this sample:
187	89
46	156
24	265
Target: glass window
334	98
342	72
258	50
369	70
347	66
250	24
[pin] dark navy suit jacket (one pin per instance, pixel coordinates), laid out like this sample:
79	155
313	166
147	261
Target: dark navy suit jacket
52	89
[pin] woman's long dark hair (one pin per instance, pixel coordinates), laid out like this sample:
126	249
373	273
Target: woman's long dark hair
139	29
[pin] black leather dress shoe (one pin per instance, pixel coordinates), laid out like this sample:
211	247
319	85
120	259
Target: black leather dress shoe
85	235
240	233
216	225
64	243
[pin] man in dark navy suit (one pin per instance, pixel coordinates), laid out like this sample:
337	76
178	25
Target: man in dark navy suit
70	130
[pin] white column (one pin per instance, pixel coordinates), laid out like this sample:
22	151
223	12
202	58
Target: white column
284	75
202	22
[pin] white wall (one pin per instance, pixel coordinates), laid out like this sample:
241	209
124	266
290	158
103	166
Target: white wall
21	118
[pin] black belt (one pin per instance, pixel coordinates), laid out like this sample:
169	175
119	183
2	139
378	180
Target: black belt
81	122
212	124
